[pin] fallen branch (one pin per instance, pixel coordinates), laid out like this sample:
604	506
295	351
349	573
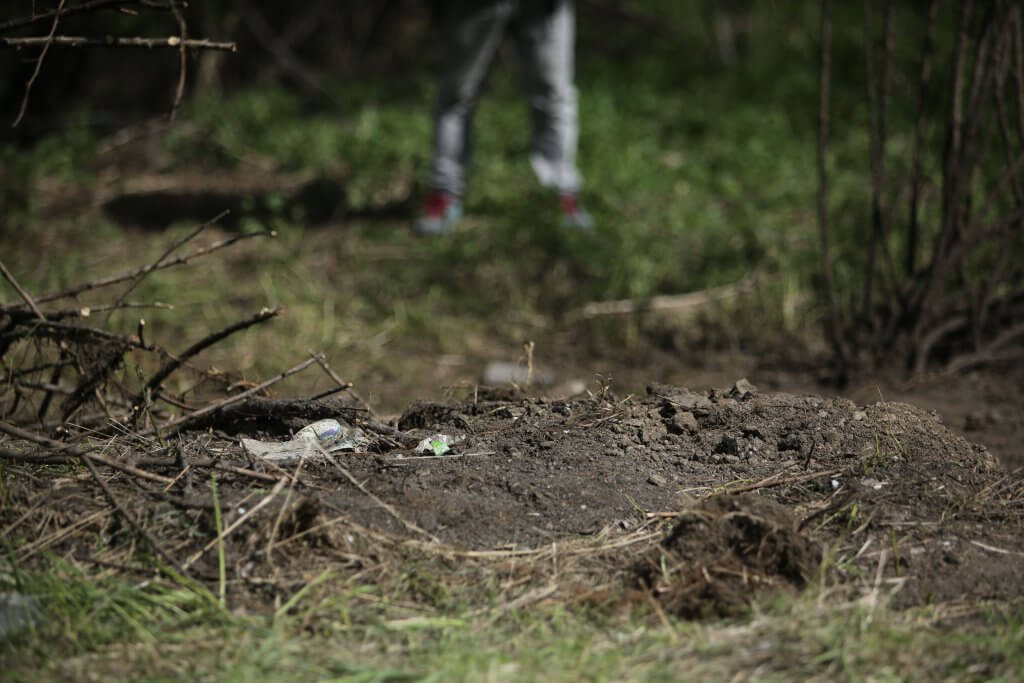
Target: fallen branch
342	384
237	523
65	451
778	480
175	363
388	508
175	42
129	518
180	423
272	413
21	291
87	460
674	302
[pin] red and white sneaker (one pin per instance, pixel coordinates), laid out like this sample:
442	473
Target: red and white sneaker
574	215
440	212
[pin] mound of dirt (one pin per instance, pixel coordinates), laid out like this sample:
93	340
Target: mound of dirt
724	548
702	498
882	484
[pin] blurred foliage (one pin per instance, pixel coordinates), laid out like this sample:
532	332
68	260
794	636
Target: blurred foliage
698	120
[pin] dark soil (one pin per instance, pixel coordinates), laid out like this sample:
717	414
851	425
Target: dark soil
699	499
896	500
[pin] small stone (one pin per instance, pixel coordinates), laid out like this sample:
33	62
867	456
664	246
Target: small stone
728	445
547	444
790	442
657	480
684	422
859	415
652	431
742	387
687	400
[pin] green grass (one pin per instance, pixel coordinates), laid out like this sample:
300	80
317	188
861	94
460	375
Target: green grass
694	182
160	630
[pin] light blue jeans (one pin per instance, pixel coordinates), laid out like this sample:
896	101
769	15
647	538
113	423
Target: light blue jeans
544	34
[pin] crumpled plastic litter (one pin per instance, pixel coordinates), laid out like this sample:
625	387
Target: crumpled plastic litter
438	444
323	435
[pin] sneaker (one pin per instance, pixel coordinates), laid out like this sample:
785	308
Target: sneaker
574	215
441	211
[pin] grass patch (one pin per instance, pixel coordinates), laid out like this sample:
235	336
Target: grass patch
109	628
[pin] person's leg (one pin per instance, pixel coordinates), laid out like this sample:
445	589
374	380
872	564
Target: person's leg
545	37
473	32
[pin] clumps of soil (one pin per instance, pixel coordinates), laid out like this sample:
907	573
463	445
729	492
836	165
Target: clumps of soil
721	550
703	498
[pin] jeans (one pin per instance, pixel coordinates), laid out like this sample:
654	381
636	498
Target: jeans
544	34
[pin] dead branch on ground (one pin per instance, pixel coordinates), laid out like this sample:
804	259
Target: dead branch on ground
64	354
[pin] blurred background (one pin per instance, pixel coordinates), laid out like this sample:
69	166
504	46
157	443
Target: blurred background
742	227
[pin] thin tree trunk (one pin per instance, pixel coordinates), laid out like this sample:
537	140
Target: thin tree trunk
833	328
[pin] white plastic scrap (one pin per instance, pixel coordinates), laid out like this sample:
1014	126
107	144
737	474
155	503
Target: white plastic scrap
310	441
438	444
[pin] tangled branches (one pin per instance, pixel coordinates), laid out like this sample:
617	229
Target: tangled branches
180	42
65	365
933	274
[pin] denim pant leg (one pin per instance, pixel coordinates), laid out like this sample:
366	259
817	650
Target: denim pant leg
473	32
545	39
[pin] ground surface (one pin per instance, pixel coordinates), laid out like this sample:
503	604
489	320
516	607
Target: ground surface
889	488
666	478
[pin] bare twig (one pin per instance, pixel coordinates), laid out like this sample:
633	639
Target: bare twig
87	459
283	55
121	42
167	252
73	332
342	384
280	513
175	363
675	302
179	91
22	316
21	291
129	518
67	450
388	508
779	480
89	6
177	425
115	279
237	523
46	42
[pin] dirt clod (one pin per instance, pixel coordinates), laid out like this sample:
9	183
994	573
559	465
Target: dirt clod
721	551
